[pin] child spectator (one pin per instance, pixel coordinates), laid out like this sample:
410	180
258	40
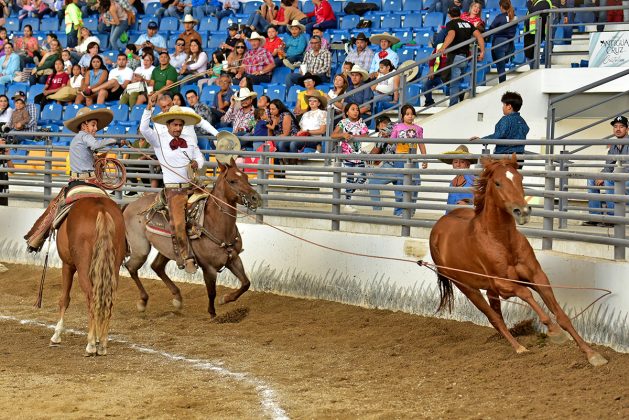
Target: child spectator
66	57
339	86
261	118
462	181
232	39
296	44
19	118
346	68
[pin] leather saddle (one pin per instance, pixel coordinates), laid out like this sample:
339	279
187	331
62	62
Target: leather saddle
158	220
75	191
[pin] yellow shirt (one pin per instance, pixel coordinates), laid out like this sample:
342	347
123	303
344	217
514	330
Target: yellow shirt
301	98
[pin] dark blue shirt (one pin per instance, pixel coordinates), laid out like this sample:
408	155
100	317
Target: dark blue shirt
512	127
361	97
501	20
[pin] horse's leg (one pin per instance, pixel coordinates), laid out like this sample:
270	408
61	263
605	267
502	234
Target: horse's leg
475	296
494	302
86	285
67	272
209	277
235	266
159	266
136	261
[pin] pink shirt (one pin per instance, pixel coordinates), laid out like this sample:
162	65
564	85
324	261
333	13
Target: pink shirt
404	131
256	60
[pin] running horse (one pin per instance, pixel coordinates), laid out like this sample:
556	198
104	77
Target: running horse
218	245
485	240
91	242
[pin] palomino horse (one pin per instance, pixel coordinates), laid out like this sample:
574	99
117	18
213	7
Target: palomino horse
91	242
485	241
217	247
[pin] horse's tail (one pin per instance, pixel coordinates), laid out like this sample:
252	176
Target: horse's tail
446	292
103	272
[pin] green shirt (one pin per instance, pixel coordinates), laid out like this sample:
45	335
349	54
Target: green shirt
160	77
74	18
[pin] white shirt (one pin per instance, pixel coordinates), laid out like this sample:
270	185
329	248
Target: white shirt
76	81
121	75
188	132
82	47
174	162
385	87
6	115
313	120
144	72
177	60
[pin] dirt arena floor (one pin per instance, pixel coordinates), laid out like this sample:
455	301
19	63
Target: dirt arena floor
272	356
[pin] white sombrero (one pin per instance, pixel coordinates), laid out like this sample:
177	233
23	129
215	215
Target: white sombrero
410	73
176	113
357	69
102	116
255	35
227	142
244	93
296	23
375	39
189	19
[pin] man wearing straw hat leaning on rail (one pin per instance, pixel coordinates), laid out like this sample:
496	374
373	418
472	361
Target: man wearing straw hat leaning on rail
176	156
461	181
86	123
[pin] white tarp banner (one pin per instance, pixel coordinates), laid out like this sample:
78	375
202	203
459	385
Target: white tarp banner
609	49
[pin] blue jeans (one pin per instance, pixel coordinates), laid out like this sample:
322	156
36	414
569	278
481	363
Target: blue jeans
114	37
199	12
290	146
172	11
459	65
429	84
224	13
598	204
395	179
498	54
257	21
383	102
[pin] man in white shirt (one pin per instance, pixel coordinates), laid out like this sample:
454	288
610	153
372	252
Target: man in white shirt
178	57
117	82
165	102
175	156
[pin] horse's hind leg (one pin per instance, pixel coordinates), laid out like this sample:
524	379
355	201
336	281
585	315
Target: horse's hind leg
494	302
138	256
475	296
209	277
86	285
159	266
67	272
235	266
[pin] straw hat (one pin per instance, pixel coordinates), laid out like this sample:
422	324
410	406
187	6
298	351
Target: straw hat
244	93
189	19
410	73
296	23
227	142
375	39
461	150
176	113
357	69
102	116
322	99
255	35
316	79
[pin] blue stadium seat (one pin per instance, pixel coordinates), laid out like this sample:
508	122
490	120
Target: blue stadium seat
412	5
423	36
91	23
279	74
338	7
34	22
169	24
276	92
490	15
422	53
145	23
405	35
184	89
151	8
116	129
349	21
14	87
33	91
12	24
207	96
337	35
49	24
216	40
104	41
134	116
111	54
413	90
307	7
250	7
291	95
70	111
375	19
412	20
63	39
51	114
208	24
121	112
226	22
518	4
259	89
391	21
391	5
434	19
492	4
406	53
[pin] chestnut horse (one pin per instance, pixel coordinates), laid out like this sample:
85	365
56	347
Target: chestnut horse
91	242
485	240
219	246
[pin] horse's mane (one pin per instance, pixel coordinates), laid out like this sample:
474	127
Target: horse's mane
480	185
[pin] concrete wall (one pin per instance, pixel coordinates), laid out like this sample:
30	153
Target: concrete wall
281	264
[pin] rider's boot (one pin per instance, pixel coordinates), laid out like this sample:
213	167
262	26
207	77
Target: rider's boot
36	237
177	198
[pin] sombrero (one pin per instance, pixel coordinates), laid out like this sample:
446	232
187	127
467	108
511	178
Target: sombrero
357	69
375	39
410	73
176	113
316	79
255	35
189	19
296	23
102	116
461	150
227	142
322	99
244	93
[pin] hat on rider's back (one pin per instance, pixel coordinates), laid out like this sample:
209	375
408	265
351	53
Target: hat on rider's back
227	142
620	119
176	113
102	116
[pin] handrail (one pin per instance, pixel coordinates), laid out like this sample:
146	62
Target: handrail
589	86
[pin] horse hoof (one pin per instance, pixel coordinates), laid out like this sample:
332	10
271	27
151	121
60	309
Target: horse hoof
101	351
89	354
177	304
597	360
521	350
54	344
141	305
558	338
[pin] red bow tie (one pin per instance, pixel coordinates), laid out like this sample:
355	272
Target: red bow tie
383	54
178	142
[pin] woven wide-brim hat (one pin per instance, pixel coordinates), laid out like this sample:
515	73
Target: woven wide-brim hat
255	35
357	69
189	19
102	116
176	113
296	23
316	79
461	150
244	93
227	142
411	73
322	99
375	39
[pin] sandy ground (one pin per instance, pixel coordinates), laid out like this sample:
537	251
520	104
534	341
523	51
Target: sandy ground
273	356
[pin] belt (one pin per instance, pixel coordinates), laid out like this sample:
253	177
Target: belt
82	175
182	185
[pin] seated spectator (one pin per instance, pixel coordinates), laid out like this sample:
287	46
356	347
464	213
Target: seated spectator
164	74
262	18
232	39
261	128
463	181
358	76
257	63
274	45
179	100
234	59
66	57
346	68
216	68
288	13
386	41
5	110
19	118
240	112
45	67
296	45
3	40
117	81
229	8
474	16
361	54
313	122
93	49
32	111
152	39
309	82
263	103
9	64
68	93
189	33
316	61
54	83
222	99
74	22
45	45
325	45
27	47
196	62
133	59
339	87
4	13
201	109
179	56
387	91
136	93
384	126
86	39
283	123
321	17
175	9
95	76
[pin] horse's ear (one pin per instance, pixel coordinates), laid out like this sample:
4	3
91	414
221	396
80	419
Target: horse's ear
221	166
514	161
232	163
485	161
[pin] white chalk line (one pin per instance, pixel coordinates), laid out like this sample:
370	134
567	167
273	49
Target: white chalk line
267	395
